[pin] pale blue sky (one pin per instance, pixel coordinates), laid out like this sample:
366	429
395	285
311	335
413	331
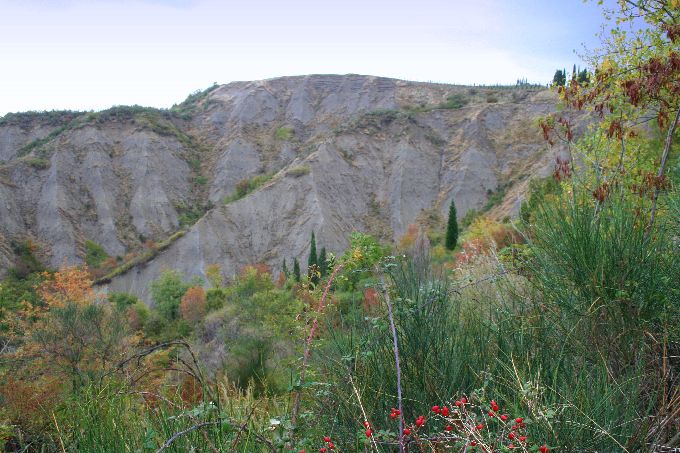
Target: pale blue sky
91	54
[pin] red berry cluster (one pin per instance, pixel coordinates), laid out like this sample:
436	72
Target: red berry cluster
481	426
329	445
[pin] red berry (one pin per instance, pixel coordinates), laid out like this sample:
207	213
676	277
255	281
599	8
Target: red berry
504	417
511	446
322	449
369	433
393	415
435	409
331	445
480	427
367	425
302	451
490	414
458	403
463	400
445	411
511	436
473	443
326	439
449	428
519	420
522	438
494	406
544	449
407	431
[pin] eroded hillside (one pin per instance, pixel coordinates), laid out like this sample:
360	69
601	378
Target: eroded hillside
248	170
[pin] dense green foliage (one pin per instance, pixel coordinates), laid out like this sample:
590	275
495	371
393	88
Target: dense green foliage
167	293
94	254
452	228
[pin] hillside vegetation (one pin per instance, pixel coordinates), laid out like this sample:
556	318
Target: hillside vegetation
554	330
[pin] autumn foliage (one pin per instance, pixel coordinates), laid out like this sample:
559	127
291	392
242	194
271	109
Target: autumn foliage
193	306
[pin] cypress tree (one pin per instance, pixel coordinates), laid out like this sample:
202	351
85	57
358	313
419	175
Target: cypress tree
452	228
296	270
323	265
560	77
313	263
284	268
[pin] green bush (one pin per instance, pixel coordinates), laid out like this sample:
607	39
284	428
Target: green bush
38	163
284	133
94	254
215	298
454	102
246	186
611	278
200	180
167	292
298	171
122	300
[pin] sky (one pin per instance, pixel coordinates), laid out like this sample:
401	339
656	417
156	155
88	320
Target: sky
93	54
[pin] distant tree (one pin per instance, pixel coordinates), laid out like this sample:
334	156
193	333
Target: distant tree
296	269
573	73
122	300
167	293
73	331
323	265
193	304
313	263
213	273
313	258
583	77
452	228
560	78
284	268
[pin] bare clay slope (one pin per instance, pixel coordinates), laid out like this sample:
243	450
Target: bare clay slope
344	153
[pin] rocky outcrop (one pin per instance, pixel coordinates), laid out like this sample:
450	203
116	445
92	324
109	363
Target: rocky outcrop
340	153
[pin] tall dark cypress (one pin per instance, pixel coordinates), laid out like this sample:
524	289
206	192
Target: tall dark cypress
284	268
313	259
313	263
452	228
296	270
323	265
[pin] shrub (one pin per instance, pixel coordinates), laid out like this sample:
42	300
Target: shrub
284	133
298	171
454	102
193	305
215	299
602	268
167	292
137	316
122	300
246	186
38	163
94	254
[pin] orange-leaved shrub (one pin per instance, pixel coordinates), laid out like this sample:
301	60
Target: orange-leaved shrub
193	304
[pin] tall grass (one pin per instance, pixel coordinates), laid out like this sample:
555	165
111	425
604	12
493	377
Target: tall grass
569	346
114	418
